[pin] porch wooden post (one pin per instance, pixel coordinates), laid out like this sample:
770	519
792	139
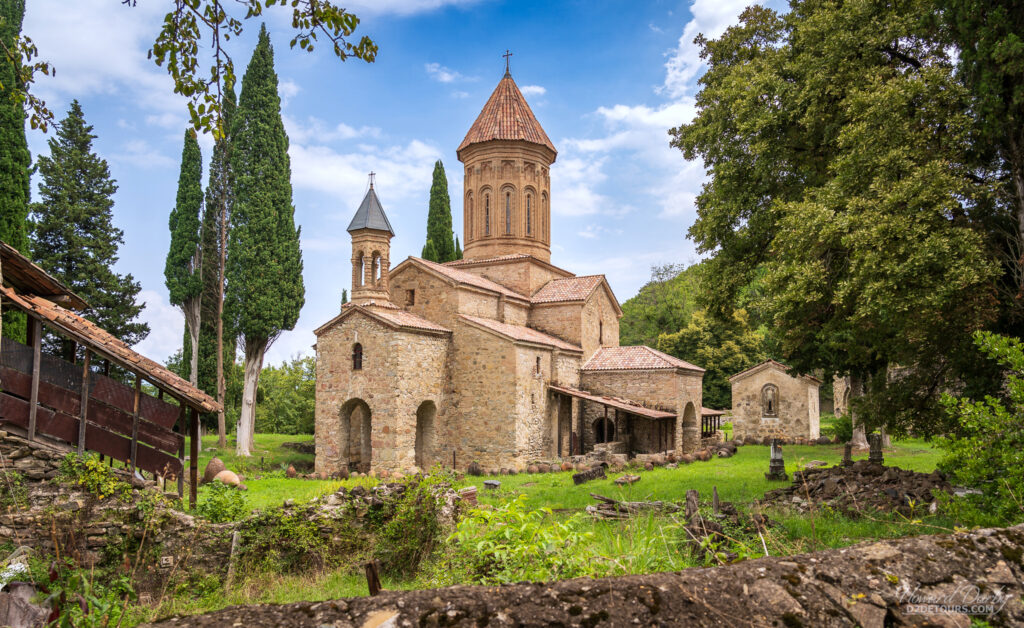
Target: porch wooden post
193	462
35	334
135	421
604	425
182	430
84	410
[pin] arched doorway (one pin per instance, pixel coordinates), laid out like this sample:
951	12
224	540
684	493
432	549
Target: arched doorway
599	430
356	430
691	430
425	416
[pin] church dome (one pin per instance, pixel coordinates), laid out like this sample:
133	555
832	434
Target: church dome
506	116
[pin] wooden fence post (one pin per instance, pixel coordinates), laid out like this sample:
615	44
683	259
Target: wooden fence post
85	403
36	334
183	424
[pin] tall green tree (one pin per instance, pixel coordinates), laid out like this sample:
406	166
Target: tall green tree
439	219
721	348
74	237
216	350
14	156
838	142
663	305
429	251
458	248
265	291
989	39
183	268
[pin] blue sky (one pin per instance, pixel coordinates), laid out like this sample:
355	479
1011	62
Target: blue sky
606	80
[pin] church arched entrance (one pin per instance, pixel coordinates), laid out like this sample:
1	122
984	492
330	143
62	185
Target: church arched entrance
425	435
356	430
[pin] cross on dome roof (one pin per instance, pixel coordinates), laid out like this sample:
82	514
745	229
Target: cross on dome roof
506	116
370	214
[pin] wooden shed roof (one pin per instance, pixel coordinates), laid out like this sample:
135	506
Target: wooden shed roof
28	278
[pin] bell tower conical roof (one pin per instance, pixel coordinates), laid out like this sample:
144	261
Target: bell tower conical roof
370	215
506	116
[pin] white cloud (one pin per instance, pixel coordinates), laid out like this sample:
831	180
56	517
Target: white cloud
166	326
460	94
287	89
441	74
313	129
533	90
710	18
138	153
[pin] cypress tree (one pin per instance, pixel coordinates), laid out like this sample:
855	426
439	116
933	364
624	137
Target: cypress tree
430	251
264	265
183	269
215	226
439	218
458	249
14	156
73	236
344	296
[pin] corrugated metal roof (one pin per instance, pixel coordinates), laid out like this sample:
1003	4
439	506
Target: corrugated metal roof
506	116
370	215
635	358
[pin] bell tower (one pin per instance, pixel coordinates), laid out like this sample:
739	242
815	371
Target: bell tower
507	185
371	250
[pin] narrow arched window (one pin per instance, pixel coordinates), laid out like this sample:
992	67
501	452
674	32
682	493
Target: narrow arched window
469	231
487	215
357	357
770	400
537	371
508	213
529	226
600	332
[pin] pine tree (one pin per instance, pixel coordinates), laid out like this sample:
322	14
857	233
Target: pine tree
439	218
183	270
215	226
430	251
14	156
458	249
264	267
73	236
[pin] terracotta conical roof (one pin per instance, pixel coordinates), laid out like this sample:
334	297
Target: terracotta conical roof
506	116
370	215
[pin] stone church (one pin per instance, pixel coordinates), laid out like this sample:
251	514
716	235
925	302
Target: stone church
501	358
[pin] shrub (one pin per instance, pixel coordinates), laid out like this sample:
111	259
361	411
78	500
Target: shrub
222	503
91	474
511	544
410	530
988	452
13	492
839	427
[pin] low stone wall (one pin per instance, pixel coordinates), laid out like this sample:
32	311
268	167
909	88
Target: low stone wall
870	585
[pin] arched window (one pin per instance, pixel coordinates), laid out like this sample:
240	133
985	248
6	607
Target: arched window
487	214
357	357
357	271
469	230
770	400
508	213
529	225
537	370
600	332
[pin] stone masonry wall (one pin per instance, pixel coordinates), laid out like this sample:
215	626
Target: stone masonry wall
524	276
401	370
435	299
678	391
600	324
561	320
535	433
798	415
485	393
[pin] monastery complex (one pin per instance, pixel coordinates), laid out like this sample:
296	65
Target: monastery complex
500	358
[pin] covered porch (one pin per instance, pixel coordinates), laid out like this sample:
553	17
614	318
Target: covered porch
613	423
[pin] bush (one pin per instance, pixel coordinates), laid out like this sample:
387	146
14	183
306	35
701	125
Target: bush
91	474
411	530
511	544
13	491
838	427
222	503
988	452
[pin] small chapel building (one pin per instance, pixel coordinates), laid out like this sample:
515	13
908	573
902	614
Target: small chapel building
769	402
501	358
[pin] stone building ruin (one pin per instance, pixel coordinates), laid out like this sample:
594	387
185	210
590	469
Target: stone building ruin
768	402
501	358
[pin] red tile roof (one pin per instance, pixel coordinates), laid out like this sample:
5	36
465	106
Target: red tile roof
769	362
636	358
711	412
567	289
520	333
499	258
87	333
466	278
506	116
389	314
621	403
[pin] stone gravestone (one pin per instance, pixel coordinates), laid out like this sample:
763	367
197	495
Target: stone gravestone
848	454
776	466
594	473
875	449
